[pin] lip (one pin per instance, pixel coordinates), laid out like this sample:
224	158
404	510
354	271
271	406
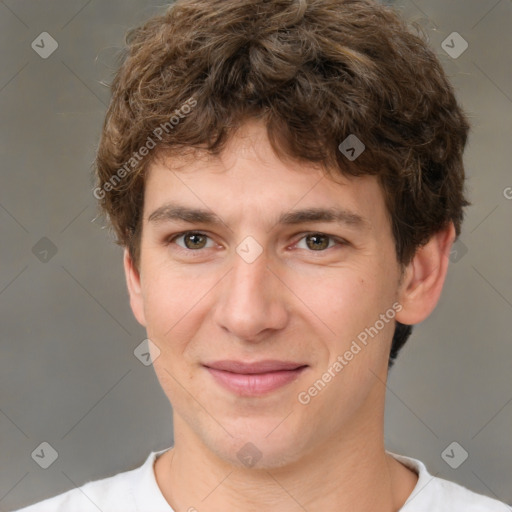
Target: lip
268	365
256	378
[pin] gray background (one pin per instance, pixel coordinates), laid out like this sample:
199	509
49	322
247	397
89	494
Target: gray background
68	375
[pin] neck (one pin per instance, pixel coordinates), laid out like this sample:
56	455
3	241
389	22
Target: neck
344	472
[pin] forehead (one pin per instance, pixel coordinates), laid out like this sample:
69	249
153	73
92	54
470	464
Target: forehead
249	179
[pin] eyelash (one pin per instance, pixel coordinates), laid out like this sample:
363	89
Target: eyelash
338	241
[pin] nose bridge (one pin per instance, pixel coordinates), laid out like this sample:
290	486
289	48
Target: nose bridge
251	301
249	277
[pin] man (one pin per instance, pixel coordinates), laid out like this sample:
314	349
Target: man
287	180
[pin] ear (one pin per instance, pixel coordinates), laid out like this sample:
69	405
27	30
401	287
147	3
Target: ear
132	275
424	277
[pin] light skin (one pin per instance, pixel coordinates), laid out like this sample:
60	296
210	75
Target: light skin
302	299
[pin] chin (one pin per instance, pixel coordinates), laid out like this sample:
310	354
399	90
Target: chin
259	445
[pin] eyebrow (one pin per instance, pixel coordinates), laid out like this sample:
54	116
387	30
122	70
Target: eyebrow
176	212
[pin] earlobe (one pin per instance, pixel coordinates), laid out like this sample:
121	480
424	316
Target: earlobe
133	283
424	277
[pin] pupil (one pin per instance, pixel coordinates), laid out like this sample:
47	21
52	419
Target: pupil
195	240
319	241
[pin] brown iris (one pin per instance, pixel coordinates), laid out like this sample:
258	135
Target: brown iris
318	241
194	240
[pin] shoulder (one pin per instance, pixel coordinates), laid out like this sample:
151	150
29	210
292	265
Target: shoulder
119	492
437	494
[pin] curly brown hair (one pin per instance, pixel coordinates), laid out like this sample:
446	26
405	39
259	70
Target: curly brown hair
316	71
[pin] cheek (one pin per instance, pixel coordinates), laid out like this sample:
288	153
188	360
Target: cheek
338	295
167	301
176	302
344	302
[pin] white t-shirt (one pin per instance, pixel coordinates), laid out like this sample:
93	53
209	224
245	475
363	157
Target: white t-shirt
138	491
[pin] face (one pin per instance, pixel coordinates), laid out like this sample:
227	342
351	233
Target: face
270	292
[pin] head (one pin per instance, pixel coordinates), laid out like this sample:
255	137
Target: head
239	109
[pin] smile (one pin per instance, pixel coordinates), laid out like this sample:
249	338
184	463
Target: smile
254	379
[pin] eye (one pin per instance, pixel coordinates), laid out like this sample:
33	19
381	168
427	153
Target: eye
192	240
317	242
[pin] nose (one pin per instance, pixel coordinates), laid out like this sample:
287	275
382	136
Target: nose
252	303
